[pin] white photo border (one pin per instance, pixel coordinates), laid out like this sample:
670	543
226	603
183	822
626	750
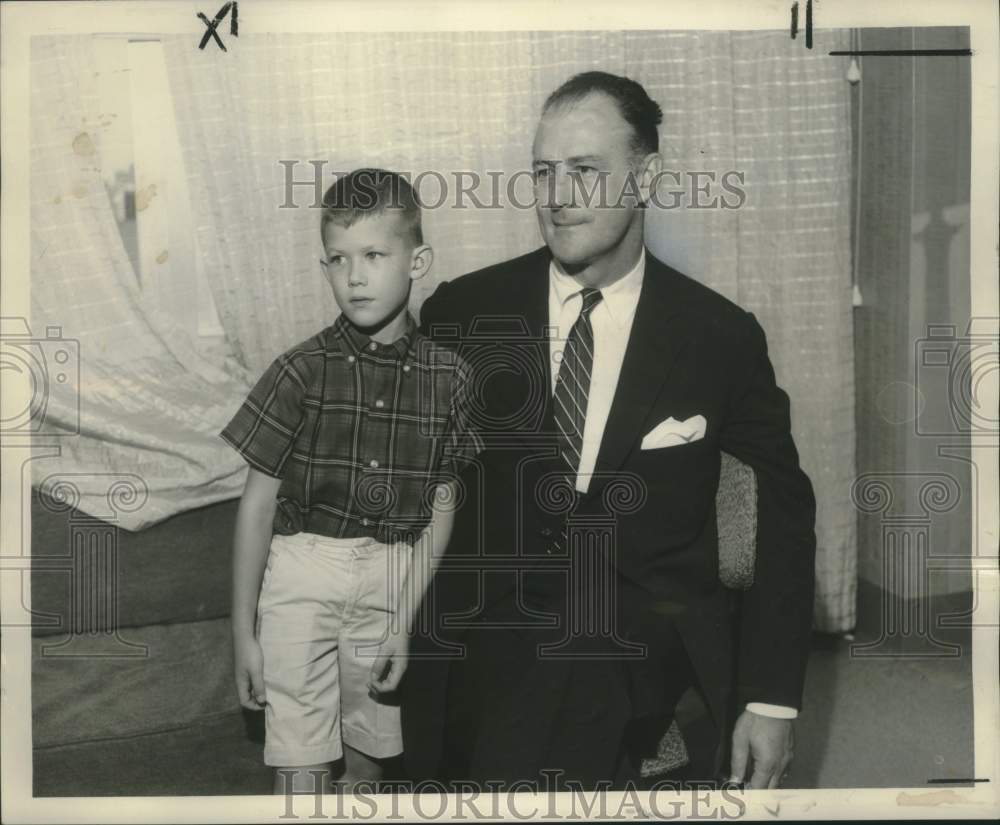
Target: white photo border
22	20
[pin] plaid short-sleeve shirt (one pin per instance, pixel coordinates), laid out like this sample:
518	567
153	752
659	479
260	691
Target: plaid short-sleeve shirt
360	433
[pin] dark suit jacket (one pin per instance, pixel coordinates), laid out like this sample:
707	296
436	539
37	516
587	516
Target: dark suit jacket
691	352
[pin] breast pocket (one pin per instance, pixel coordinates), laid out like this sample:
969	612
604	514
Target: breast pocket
679	487
678	476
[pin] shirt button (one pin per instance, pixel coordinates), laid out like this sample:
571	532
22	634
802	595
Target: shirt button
380	404
350	359
373	464
365	522
406	367
373	346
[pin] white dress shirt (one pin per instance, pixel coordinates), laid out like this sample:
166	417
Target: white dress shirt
611	321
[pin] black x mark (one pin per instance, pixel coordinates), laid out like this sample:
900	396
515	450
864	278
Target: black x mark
210	26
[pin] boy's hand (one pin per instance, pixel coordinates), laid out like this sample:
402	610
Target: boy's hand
249	661
390	664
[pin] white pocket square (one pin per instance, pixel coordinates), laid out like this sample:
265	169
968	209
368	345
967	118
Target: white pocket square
671	433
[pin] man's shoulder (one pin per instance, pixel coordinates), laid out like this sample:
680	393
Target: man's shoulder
498	279
698	301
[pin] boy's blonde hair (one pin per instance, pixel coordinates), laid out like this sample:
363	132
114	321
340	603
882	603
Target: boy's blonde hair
366	192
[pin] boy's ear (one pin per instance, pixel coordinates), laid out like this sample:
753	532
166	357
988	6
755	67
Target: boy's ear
420	261
327	275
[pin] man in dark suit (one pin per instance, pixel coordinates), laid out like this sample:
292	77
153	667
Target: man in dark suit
580	596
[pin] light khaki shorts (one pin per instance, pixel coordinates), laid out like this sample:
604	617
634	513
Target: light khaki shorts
325	607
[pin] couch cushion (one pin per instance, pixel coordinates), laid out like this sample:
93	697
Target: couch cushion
89	575
210	758
183	674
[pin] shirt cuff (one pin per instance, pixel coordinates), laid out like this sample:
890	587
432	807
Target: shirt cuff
774	711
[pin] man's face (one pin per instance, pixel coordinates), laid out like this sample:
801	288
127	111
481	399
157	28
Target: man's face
369	266
575	146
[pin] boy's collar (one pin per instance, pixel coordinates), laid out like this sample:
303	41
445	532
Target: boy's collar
354	341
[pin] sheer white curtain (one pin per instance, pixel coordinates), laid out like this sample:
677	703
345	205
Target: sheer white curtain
443	103
752	102
144	409
419	103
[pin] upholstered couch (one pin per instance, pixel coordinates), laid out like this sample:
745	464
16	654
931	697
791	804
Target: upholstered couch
131	673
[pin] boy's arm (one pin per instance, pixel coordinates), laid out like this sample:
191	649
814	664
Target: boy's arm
427	554
390	664
251	543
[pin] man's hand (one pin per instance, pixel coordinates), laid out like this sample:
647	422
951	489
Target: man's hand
390	664
768	742
249	662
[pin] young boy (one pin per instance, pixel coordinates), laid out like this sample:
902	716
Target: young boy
352	437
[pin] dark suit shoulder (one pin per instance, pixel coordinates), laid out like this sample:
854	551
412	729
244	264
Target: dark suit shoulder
500	278
496	288
698	300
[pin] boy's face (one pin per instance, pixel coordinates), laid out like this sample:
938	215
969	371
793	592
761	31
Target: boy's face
370	265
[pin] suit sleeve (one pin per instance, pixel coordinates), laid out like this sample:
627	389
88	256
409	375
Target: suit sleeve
776	612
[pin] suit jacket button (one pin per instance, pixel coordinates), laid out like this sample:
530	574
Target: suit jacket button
546	531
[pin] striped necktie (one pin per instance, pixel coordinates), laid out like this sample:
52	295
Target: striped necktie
573	384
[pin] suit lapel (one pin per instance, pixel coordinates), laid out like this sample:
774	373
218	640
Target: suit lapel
535	311
528	295
659	331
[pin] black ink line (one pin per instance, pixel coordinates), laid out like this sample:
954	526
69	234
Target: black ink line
809	24
795	19
209	32
904	53
954	781
234	27
211	26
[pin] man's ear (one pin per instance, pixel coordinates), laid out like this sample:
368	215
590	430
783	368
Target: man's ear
649	170
420	261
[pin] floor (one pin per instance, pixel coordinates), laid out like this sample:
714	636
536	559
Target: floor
889	720
875	715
